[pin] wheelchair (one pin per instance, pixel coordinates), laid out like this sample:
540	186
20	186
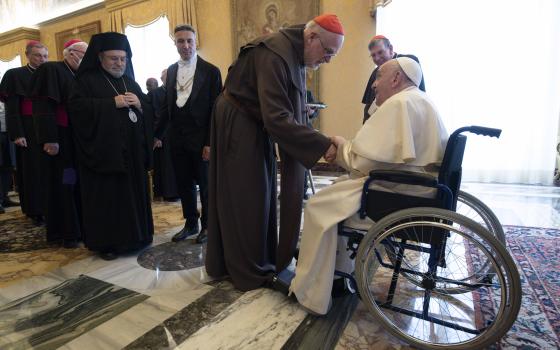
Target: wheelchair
435	272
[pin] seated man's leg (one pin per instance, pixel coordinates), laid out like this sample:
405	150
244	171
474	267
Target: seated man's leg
312	284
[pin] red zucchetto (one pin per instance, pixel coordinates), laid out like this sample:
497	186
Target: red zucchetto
71	42
378	37
329	22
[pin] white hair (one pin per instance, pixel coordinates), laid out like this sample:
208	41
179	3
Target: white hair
314	27
81	46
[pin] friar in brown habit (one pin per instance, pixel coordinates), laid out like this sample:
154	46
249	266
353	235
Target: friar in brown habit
263	103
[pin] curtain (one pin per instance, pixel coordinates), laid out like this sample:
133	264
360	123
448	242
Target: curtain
9	64
145	13
182	12
153	49
491	63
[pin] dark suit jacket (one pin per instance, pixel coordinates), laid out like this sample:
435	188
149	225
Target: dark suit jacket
190	131
157	98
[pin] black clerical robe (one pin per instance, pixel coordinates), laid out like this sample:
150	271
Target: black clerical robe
263	103
14	92
164	176
114	154
50	88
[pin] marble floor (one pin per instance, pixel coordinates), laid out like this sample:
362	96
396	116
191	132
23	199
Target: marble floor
162	298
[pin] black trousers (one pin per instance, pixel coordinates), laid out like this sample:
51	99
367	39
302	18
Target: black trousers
191	170
6	166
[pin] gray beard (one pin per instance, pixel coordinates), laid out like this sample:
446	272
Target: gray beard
116	75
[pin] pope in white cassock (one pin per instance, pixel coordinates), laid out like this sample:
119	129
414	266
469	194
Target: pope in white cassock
405	132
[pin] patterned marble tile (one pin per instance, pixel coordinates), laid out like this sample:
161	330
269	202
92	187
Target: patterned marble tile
187	321
173	256
260	319
172	286
54	316
325	330
132	324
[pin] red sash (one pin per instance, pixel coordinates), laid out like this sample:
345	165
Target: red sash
26	107
61	116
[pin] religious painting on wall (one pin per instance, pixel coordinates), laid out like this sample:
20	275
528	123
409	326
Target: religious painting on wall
254	18
83	32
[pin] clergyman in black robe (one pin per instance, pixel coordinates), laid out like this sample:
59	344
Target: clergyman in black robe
14	92
381	51
50	89
164	176
112	127
263	103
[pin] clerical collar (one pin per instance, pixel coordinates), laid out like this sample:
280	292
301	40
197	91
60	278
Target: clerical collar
188	62
30	67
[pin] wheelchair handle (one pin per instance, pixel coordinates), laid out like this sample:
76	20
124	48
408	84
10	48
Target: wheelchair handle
479	130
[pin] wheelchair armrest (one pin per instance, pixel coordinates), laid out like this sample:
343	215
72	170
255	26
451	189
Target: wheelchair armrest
405	177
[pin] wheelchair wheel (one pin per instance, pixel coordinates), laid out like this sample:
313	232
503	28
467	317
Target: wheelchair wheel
474	209
442	250
471	207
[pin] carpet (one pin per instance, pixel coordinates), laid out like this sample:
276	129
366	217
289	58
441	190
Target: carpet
537	254
20	235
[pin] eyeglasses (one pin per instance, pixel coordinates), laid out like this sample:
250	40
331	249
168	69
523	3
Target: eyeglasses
328	51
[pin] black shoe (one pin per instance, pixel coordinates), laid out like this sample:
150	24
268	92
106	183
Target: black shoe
339	288
185	232
202	237
2	210
108	256
70	243
9	203
281	281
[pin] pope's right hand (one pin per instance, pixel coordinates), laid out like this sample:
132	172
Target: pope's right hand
330	154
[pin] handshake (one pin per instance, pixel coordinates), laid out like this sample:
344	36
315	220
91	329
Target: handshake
336	142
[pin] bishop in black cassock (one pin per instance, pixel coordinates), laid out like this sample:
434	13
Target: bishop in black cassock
112	127
50	88
14	92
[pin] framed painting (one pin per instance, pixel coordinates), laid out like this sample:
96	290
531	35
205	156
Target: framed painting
83	32
254	18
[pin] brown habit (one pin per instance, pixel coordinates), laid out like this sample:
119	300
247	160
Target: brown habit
263	103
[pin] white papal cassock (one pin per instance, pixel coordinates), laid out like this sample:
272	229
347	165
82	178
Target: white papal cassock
404	133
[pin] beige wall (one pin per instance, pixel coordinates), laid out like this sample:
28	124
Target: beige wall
344	79
341	82
48	31
214	28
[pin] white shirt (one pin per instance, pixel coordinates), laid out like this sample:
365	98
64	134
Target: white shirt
185	78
